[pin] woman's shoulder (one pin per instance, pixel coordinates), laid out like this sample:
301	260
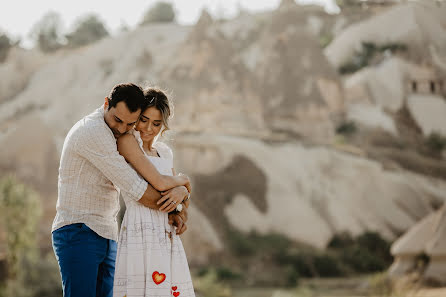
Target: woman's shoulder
126	137
129	139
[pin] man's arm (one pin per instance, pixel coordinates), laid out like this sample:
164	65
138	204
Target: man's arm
150	197
98	146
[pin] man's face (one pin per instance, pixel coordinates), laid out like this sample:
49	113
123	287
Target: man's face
119	118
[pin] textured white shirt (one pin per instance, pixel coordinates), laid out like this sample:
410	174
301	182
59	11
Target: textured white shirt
91	173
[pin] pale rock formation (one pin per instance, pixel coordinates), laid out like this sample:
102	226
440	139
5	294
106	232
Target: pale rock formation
17	70
356	87
236	85
388	87
436	249
200	240
71	85
300	98
429	111
426	237
417	24
384	85
371	116
323	190
29	151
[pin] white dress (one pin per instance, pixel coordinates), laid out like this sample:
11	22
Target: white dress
150	259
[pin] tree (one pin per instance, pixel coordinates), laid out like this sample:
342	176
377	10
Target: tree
47	33
5	45
20	211
89	29
161	12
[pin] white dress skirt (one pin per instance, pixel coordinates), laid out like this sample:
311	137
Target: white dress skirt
150	259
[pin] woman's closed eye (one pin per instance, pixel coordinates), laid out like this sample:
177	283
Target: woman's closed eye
155	124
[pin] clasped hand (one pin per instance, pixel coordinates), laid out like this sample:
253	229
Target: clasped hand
171	198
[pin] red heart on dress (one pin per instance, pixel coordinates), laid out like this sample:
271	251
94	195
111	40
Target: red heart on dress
174	288
158	278
176	294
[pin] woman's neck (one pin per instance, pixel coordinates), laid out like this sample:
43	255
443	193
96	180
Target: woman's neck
147	145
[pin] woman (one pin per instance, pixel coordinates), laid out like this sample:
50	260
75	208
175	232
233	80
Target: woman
151	260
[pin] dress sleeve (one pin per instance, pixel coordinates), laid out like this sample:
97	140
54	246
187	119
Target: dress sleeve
165	152
99	147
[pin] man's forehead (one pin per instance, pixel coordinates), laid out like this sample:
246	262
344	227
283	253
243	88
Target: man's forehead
123	112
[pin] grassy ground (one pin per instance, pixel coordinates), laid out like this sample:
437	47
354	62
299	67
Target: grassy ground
366	286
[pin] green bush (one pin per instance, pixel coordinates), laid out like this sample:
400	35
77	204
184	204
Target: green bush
208	285
368	252
341	240
161	12
327	265
376	245
47	32
345	255
28	274
301	261
292	276
325	39
346	128
314	263
362	260
43	276
360	59
225	273
20	211
240	243
253	243
367	52
5	45
435	142
88	29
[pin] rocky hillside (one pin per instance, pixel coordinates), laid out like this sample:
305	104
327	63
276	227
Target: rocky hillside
274	137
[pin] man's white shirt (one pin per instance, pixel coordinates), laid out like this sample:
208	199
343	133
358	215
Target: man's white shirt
91	174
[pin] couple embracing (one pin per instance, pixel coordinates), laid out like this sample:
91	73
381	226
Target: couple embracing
111	151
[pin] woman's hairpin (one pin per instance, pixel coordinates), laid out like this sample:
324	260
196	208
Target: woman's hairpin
151	100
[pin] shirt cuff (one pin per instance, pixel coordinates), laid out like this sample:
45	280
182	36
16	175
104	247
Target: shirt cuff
138	190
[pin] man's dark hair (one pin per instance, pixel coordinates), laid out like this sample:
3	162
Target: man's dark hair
131	94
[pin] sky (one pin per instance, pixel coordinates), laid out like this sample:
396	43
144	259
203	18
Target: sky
17	17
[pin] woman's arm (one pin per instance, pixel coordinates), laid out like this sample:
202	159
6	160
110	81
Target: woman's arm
128	147
177	195
189	190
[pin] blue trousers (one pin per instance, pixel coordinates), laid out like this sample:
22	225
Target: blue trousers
86	261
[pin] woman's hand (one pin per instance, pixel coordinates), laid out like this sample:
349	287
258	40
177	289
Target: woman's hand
171	198
186	181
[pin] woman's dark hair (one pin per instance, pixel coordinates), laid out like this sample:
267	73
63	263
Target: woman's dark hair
131	94
155	97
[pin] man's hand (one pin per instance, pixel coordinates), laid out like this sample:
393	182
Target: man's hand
171	198
176	220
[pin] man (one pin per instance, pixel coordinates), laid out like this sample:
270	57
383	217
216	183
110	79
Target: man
91	173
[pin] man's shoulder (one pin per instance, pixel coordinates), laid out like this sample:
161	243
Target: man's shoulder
89	126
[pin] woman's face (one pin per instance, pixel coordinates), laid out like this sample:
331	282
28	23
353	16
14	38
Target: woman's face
150	123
